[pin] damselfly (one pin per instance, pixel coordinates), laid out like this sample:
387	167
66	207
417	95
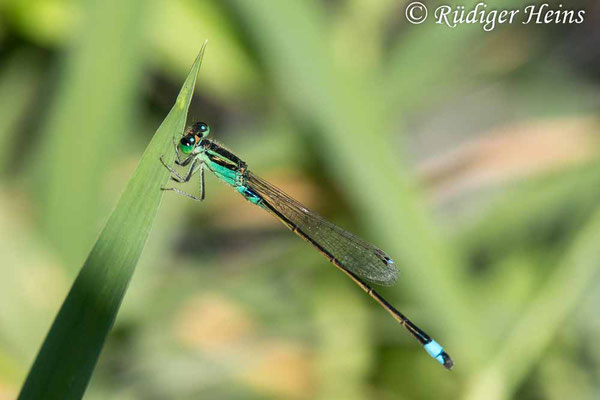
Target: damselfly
353	256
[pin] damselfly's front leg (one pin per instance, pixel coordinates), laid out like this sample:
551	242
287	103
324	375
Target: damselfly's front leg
178	159
196	164
175	175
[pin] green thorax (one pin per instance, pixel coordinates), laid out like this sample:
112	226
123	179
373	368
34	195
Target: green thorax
224	164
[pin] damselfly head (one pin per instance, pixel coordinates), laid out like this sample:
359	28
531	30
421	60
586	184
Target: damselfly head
193	136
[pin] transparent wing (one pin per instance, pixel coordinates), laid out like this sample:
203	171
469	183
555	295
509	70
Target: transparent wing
353	253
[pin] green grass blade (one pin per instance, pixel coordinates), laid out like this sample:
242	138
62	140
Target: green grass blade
91	114
19	80
67	358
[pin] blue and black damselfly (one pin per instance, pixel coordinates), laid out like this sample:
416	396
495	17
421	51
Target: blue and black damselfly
353	256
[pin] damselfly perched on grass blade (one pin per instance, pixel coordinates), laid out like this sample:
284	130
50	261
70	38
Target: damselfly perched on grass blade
350	254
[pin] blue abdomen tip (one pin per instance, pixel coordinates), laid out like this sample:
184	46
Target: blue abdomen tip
435	350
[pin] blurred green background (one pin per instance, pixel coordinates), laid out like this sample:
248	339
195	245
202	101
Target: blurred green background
471	157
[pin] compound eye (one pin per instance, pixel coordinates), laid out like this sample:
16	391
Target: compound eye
186	144
201	129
